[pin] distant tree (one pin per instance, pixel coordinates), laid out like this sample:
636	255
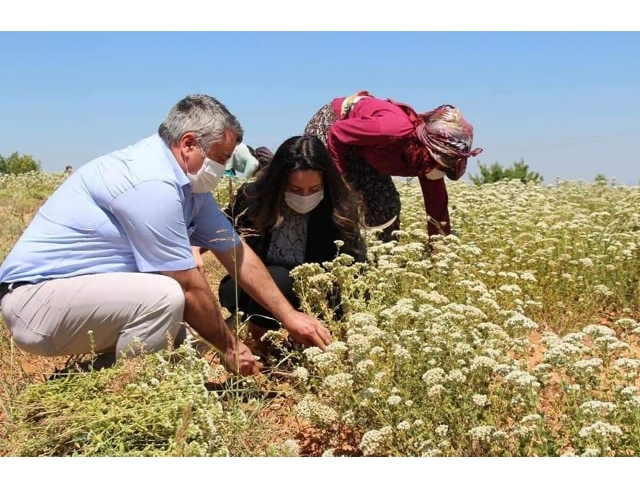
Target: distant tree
601	179
495	172
17	164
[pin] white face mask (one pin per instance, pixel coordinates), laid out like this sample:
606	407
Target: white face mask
303	204
435	174
208	177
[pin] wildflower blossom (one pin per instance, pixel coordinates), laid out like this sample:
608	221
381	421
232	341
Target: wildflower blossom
597	406
338	382
433	376
337	347
394	400
602	290
598	331
511	289
600	429
503	369
432	452
575	338
400	352
435	391
359	345
625	363
482	362
588	366
628	391
480	400
625	323
522	379
349	417
587	262
482	433
373	441
371	392
591	452
310	408
559	354
364	365
377	351
456	375
519	322
301	374
324	361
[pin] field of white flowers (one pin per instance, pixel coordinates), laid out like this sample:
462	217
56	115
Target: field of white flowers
518	336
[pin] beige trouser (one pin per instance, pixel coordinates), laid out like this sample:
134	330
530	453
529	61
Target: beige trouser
55	317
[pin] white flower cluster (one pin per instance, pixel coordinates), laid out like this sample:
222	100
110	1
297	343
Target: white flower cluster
312	409
341	382
434	376
480	400
372	442
600	429
522	379
598	407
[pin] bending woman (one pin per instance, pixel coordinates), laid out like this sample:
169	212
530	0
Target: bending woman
371	139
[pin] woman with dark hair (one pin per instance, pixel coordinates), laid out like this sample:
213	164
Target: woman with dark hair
371	139
293	213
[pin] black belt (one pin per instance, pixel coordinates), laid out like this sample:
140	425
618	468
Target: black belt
7	287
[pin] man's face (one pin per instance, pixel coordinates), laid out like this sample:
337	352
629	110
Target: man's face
220	152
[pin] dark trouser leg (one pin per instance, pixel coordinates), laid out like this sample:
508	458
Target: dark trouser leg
252	310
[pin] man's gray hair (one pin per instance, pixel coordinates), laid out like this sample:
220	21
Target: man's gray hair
203	115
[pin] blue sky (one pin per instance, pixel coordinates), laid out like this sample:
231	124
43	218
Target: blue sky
566	102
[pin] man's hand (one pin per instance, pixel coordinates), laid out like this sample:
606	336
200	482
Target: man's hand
307	330
241	360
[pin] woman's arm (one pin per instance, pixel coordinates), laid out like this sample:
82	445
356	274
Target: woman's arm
436	205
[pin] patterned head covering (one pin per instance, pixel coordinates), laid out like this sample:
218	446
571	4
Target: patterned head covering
448	136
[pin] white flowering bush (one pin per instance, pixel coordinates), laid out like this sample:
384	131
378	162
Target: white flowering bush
516	336
487	346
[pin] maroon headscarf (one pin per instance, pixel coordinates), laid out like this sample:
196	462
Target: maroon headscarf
443	140
449	137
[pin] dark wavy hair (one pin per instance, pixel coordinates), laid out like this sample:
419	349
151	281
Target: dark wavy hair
304	153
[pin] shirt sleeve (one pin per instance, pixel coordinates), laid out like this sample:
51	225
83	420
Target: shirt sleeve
436	204
211	228
152	216
373	127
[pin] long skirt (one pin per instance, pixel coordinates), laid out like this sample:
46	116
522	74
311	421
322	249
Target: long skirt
378	191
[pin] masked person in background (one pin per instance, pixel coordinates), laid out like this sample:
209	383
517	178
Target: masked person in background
242	163
372	139
293	213
106	264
